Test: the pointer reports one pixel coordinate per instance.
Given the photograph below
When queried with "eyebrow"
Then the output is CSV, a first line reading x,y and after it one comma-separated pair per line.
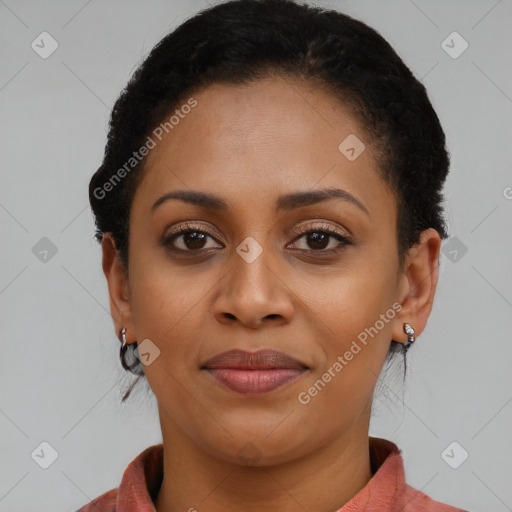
x,y
286,202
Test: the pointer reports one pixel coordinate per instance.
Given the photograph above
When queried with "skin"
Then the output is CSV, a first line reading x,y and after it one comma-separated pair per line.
x,y
249,144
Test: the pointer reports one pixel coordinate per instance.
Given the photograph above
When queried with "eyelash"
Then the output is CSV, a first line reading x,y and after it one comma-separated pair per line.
x,y
323,228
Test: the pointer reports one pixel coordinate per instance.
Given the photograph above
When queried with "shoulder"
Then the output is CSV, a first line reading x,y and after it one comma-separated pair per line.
x,y
388,485
140,483
104,503
413,500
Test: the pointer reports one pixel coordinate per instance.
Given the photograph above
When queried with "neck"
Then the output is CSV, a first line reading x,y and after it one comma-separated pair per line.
x,y
323,480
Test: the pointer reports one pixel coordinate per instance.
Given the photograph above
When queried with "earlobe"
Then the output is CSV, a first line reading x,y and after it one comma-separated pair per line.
x,y
419,284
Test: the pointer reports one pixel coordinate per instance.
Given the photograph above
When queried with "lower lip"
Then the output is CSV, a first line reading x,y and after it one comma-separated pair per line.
x,y
254,382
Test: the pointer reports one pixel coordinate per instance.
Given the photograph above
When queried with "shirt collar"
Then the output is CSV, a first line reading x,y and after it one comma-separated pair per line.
x,y
141,481
388,481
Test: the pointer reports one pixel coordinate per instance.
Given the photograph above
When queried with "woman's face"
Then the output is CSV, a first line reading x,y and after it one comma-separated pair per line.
x,y
250,280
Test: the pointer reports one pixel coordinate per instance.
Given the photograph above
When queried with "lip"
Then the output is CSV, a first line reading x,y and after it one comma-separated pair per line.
x,y
254,373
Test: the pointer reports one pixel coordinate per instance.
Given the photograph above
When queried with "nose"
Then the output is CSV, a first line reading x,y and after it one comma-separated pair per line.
x,y
254,294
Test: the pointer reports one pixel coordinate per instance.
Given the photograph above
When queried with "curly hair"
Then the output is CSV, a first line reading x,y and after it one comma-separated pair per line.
x,y
240,41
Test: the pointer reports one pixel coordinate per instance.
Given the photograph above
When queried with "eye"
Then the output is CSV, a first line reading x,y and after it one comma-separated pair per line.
x,y
192,238
319,237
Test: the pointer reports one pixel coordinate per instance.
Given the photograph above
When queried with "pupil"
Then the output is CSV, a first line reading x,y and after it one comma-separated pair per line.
x,y
318,238
194,238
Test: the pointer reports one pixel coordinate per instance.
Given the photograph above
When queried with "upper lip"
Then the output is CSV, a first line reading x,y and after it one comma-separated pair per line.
x,y
261,360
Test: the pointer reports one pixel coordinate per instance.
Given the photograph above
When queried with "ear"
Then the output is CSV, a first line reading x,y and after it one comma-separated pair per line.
x,y
418,284
119,293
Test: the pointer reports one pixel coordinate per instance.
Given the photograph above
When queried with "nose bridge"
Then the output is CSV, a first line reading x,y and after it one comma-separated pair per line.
x,y
253,262
255,244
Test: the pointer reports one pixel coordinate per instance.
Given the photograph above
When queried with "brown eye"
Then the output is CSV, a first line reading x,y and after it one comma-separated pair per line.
x,y
193,240
187,239
321,239
318,238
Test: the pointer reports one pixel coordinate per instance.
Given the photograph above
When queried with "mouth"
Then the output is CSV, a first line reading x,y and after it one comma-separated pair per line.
x,y
254,373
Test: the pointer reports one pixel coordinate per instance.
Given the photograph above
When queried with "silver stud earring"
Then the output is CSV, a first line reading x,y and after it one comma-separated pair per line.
x,y
123,337
124,345
410,336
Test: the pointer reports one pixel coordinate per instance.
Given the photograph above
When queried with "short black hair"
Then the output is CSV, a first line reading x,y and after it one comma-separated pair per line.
x,y
239,41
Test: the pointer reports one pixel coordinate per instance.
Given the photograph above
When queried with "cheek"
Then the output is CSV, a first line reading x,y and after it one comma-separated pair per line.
x,y
354,299
168,308
157,288
355,316
354,341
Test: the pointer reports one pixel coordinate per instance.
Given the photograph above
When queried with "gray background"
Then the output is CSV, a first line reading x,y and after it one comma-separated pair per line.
x,y
60,377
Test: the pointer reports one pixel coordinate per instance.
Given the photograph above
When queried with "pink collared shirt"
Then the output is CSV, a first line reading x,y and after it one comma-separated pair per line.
x,y
386,491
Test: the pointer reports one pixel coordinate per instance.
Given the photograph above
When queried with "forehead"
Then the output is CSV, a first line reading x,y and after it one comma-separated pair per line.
x,y
253,142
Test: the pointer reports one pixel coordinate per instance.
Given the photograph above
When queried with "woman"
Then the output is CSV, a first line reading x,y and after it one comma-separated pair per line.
x,y
269,210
